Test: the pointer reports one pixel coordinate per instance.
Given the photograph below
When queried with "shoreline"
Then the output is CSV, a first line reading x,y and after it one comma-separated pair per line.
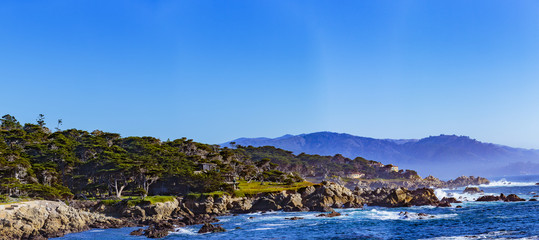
x,y
162,218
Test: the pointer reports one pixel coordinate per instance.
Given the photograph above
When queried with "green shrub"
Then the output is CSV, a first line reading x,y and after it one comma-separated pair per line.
x,y
158,199
110,202
46,191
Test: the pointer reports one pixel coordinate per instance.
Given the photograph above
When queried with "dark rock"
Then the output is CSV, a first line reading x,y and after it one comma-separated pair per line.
x,y
294,218
424,196
488,198
444,204
458,206
331,214
159,229
265,204
513,198
422,214
533,200
137,232
472,190
208,227
535,195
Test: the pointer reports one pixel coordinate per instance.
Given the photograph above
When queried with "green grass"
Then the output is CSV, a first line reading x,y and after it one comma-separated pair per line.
x,y
215,194
110,202
159,199
252,188
139,201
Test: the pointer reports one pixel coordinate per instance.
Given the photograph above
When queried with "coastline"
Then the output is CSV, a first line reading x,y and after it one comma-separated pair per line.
x,y
162,218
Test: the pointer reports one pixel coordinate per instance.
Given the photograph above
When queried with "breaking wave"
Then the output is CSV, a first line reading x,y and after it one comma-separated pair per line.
x,y
504,183
377,214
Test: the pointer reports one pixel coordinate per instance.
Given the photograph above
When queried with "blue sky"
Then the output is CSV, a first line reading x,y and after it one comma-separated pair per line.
x,y
218,70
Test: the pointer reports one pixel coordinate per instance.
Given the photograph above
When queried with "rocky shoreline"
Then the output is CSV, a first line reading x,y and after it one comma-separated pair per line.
x,y
428,182
45,219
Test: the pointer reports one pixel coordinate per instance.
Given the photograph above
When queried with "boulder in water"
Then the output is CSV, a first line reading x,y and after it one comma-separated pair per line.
x,y
489,198
450,200
294,218
159,229
444,204
208,227
137,232
472,190
331,214
513,198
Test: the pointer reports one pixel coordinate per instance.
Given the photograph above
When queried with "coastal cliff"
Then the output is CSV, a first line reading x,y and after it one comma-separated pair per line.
x,y
45,219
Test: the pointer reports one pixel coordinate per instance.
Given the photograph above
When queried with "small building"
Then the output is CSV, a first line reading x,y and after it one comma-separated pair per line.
x,y
376,164
208,166
391,168
355,175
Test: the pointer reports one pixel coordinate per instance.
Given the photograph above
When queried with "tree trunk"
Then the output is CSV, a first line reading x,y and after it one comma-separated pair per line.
x,y
118,190
146,185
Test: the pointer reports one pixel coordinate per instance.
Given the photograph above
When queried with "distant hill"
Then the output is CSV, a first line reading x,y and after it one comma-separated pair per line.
x,y
444,156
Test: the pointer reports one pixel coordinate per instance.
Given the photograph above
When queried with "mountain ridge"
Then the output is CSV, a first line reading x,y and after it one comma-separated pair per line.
x,y
444,155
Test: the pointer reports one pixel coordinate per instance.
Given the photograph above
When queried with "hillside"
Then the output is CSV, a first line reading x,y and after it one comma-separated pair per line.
x,y
36,162
445,156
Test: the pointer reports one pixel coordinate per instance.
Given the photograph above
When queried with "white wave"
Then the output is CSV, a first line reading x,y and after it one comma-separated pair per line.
x,y
260,229
463,197
96,230
391,215
274,224
489,235
504,183
183,230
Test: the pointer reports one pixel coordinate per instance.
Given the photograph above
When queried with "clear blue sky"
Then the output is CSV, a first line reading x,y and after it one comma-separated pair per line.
x,y
218,70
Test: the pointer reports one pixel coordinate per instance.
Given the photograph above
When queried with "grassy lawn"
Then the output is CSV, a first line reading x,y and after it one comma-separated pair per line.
x,y
138,200
257,187
7,200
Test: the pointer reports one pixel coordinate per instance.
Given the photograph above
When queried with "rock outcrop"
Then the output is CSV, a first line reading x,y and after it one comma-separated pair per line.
x,y
400,197
502,197
472,190
427,182
210,228
46,219
56,218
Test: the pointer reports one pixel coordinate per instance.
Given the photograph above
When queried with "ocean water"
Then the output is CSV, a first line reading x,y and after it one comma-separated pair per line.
x,y
476,220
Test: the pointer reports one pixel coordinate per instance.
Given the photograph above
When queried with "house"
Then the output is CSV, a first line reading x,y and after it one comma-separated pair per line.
x,y
391,168
355,175
208,166
375,164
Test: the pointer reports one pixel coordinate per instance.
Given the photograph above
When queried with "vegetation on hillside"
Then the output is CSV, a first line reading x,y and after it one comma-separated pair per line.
x,y
40,163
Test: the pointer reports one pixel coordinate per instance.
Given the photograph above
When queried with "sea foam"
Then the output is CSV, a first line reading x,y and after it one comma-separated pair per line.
x,y
504,183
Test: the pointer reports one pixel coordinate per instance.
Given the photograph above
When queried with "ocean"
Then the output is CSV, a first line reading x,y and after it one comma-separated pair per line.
x,y
475,220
